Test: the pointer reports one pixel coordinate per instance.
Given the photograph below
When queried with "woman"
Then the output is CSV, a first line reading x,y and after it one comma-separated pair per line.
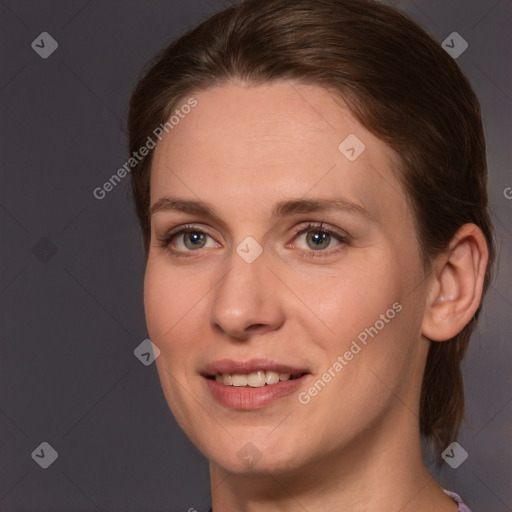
x,y
312,198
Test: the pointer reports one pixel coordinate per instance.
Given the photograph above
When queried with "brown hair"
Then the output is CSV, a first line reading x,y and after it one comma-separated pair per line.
x,y
398,82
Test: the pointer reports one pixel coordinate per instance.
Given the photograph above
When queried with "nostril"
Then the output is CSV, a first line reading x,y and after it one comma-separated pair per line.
x,y
255,327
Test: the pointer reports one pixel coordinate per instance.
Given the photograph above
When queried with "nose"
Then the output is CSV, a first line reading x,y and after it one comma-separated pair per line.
x,y
246,301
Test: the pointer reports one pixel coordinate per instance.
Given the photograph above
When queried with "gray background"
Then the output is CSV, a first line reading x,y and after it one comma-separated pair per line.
x,y
72,265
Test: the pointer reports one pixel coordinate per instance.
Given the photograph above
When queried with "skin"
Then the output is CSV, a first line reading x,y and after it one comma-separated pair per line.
x,y
355,446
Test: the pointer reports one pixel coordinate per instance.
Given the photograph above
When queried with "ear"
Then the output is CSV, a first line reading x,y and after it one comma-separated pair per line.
x,y
456,285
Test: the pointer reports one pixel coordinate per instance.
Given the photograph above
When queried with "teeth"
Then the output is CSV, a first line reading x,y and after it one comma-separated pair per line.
x,y
239,380
254,380
272,377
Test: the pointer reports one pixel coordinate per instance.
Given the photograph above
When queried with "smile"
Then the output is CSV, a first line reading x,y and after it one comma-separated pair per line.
x,y
255,379
253,384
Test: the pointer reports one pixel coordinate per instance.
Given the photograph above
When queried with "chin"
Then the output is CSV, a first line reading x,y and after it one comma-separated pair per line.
x,y
256,464
255,454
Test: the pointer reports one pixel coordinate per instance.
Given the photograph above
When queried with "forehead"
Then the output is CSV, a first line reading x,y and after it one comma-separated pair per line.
x,y
248,147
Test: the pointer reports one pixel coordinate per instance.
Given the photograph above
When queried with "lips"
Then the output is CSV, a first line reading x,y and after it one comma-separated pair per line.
x,y
251,384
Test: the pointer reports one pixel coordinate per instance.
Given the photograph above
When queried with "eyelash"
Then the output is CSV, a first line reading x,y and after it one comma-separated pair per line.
x,y
317,227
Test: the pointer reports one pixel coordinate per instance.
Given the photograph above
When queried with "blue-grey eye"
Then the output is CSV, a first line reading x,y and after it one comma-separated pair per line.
x,y
319,239
196,239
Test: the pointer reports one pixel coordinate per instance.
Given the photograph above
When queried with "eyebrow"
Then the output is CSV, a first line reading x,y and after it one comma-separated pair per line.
x,y
280,209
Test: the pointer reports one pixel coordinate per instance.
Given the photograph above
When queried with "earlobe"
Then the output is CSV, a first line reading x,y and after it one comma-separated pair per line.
x,y
456,285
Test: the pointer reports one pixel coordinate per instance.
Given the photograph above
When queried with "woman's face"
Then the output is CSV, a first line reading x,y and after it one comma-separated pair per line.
x,y
250,292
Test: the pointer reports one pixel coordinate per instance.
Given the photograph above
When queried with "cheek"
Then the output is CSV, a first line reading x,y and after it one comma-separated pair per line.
x,y
374,320
175,310
356,296
377,352
378,322
155,300
168,308
163,301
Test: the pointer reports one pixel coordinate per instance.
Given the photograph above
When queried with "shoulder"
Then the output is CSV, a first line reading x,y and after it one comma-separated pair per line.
x,y
458,500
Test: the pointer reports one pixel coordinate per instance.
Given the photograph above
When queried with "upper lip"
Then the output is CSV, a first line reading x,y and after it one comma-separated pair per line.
x,y
253,365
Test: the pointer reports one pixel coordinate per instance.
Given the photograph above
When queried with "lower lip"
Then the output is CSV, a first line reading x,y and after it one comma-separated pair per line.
x,y
248,398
